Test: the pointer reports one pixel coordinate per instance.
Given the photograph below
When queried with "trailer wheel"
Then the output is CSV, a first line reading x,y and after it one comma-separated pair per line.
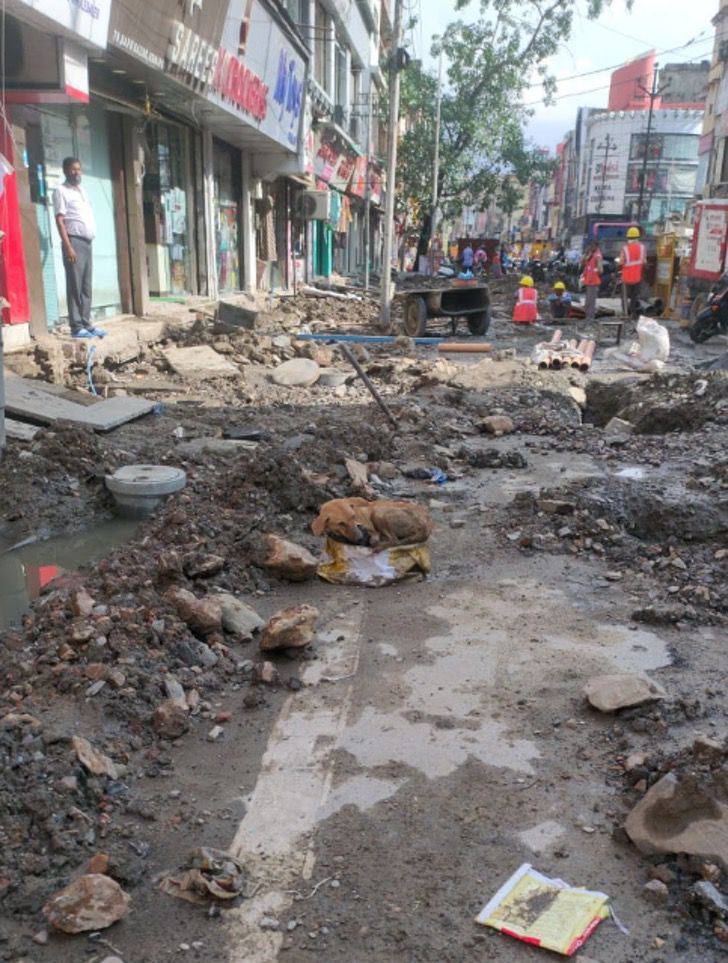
x,y
479,323
415,317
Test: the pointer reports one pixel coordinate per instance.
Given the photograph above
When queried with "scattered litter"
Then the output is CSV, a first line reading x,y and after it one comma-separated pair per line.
x,y
360,565
545,912
649,353
211,873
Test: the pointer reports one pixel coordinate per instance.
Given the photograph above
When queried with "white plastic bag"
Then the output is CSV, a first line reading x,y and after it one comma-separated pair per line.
x,y
649,353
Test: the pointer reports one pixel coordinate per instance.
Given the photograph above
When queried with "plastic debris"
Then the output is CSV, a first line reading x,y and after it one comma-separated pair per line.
x,y
545,912
212,874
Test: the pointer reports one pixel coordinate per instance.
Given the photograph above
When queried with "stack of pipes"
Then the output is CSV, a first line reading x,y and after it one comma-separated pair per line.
x,y
557,353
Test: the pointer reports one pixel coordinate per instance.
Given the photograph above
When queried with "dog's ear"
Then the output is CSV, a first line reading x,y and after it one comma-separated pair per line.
x,y
318,525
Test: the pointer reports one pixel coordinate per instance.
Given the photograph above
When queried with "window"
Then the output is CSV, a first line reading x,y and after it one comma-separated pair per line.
x,y
681,147
639,143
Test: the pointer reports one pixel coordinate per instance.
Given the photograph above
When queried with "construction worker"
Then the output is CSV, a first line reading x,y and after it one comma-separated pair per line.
x,y
526,308
632,258
559,301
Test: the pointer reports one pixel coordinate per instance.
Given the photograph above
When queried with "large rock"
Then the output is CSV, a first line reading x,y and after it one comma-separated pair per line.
x,y
297,372
497,425
608,693
203,616
169,719
96,762
238,618
677,815
288,560
291,628
91,902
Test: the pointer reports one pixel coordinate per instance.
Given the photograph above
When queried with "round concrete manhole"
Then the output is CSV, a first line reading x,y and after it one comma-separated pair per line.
x,y
139,489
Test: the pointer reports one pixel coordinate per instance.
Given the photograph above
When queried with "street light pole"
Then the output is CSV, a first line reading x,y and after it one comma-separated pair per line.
x,y
392,135
653,94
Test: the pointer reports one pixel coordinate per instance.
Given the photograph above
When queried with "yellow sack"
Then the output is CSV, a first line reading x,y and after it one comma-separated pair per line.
x,y
361,565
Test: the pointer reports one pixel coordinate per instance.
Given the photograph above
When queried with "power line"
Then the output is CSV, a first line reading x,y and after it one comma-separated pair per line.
x,y
601,70
592,90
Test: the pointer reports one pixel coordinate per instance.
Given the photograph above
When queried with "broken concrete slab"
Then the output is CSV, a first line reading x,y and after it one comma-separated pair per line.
x,y
199,363
298,372
238,618
678,815
213,446
19,431
608,693
29,399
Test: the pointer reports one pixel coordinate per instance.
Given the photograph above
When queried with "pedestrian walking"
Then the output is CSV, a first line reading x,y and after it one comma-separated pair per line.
x,y
77,229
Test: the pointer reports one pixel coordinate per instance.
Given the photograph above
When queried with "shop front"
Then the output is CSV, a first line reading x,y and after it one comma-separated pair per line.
x,y
334,164
50,115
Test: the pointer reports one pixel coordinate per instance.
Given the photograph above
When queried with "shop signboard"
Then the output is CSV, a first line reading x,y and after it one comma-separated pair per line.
x,y
180,38
334,161
260,75
87,19
233,52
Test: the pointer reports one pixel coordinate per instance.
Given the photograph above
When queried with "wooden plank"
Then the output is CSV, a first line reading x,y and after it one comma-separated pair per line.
x,y
200,363
28,399
20,431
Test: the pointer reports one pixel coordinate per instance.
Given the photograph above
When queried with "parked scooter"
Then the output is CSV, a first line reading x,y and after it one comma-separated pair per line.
x,y
713,319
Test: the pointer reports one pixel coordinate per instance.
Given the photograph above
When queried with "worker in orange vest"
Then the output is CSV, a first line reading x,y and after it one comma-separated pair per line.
x,y
526,309
632,258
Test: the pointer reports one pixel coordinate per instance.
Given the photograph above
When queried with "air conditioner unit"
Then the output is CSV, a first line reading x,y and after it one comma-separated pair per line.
x,y
315,205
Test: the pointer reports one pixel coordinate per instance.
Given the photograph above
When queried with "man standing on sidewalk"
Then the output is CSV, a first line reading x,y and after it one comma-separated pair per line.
x,y
77,227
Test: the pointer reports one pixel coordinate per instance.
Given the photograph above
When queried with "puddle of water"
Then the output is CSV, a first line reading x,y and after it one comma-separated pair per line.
x,y
631,471
26,570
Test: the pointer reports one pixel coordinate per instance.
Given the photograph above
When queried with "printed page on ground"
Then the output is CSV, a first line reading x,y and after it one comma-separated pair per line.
x,y
545,912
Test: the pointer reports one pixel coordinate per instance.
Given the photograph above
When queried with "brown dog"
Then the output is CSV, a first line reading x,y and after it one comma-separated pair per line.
x,y
380,524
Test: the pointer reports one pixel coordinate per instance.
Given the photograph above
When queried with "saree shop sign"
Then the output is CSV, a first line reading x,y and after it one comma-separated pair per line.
x,y
261,73
240,86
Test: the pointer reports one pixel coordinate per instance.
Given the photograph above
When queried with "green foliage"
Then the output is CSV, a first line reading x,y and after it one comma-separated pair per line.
x,y
490,64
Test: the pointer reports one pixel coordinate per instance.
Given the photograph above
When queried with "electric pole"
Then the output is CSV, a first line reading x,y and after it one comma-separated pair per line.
x,y
653,94
607,146
392,135
436,161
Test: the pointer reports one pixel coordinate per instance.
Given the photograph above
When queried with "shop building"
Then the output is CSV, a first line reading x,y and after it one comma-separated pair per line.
x,y
188,121
48,114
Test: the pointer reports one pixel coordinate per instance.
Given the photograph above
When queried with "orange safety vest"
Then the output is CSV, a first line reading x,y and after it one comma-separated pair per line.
x,y
633,258
526,309
592,274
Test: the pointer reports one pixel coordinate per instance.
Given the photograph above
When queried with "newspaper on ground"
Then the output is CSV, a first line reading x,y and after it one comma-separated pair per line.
x,y
545,912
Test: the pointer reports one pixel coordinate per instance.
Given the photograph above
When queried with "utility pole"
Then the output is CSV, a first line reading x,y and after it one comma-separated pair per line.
x,y
392,133
436,160
607,146
653,94
368,186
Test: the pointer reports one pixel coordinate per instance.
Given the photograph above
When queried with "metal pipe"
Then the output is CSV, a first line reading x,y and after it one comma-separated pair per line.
x,y
463,347
365,378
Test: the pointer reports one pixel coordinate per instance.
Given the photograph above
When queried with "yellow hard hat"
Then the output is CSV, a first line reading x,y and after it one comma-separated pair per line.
x,y
559,286
526,281
633,232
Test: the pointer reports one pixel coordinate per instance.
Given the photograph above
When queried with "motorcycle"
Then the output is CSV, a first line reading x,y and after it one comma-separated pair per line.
x,y
713,319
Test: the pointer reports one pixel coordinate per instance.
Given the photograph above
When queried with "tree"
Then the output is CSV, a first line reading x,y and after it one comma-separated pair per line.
x,y
491,62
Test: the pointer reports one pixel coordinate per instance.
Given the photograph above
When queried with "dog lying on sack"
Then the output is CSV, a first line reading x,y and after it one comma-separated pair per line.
x,y
382,524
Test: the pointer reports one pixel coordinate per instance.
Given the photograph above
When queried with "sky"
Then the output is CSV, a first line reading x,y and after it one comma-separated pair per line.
x,y
594,49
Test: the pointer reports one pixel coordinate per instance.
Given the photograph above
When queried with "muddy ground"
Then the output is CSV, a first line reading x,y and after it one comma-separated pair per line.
x,y
435,735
